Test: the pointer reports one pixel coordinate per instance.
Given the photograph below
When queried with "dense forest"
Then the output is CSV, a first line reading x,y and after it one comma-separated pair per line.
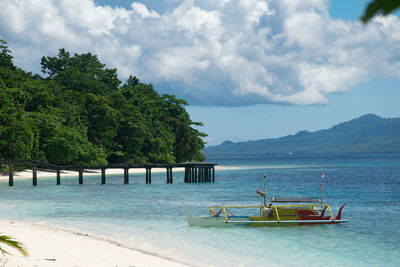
x,y
79,112
368,134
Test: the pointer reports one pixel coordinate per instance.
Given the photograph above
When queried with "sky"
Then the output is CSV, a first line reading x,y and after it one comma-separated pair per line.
x,y
250,69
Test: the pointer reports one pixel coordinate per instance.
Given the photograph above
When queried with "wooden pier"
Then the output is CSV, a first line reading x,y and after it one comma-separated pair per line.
x,y
195,172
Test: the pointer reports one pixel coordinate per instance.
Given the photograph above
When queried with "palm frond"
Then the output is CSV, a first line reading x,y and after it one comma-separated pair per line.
x,y
9,241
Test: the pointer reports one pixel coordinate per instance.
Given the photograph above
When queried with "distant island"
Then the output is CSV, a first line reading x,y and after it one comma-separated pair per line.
x,y
368,134
79,112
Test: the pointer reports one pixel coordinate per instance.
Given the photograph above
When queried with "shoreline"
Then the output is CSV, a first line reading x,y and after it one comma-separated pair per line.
x,y
27,174
50,245
53,246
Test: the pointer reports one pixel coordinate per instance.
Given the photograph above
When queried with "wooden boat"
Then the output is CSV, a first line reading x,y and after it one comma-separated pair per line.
x,y
270,215
279,212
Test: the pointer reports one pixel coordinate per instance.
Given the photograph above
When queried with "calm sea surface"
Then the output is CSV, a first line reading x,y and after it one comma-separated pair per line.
x,y
151,217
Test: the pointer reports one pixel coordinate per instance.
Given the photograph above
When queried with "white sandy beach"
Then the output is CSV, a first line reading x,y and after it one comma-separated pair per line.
x,y
27,174
51,246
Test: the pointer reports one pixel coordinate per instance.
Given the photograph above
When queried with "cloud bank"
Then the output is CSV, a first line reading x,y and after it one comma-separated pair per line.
x,y
230,52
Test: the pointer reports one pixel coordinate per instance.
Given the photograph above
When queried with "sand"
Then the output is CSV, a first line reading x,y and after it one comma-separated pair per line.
x,y
51,246
27,174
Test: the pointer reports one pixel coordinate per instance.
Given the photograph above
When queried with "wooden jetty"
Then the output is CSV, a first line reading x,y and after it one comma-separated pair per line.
x,y
195,172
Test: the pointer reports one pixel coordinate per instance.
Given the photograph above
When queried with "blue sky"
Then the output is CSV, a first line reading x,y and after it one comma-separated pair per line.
x,y
249,69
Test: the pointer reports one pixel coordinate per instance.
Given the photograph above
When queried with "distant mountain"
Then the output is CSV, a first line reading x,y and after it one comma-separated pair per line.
x,y
368,134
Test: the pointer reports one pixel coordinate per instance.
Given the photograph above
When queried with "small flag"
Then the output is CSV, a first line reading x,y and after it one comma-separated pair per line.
x,y
322,175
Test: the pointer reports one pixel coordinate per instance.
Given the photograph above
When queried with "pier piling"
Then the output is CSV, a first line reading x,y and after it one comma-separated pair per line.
x,y
126,176
194,172
10,175
80,176
34,175
167,169
58,176
148,175
103,176
186,175
169,175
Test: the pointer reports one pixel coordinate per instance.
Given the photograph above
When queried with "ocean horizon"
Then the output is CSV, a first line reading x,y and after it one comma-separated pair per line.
x,y
151,217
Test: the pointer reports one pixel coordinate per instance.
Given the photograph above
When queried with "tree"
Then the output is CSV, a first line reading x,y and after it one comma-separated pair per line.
x,y
71,146
80,114
16,129
101,120
5,57
83,73
143,129
132,81
188,143
383,7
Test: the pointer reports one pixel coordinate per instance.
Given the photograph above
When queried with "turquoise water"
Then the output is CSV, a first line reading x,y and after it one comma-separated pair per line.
x,y
151,218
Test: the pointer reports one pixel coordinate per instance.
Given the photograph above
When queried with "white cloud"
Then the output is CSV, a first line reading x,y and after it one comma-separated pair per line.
x,y
143,11
172,65
231,52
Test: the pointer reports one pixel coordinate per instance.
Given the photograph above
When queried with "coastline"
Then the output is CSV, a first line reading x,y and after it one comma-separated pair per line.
x,y
27,174
150,218
52,246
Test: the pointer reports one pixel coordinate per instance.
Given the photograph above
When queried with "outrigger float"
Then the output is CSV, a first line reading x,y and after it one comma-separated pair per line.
x,y
306,212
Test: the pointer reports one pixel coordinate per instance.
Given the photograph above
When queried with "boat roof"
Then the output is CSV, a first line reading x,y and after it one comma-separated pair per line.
x,y
292,199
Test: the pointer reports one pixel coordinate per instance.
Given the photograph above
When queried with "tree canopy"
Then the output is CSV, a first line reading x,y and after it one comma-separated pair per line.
x,y
383,7
79,112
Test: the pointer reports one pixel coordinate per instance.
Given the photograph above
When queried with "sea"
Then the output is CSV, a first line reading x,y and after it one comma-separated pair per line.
x,y
151,217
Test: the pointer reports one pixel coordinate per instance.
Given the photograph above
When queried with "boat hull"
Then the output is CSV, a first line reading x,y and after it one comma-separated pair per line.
x,y
258,221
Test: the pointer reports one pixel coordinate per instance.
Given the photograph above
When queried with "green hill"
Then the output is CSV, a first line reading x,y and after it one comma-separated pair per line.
x,y
368,134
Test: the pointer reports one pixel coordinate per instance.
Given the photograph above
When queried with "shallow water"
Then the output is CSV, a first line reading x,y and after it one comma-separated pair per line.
x,y
151,217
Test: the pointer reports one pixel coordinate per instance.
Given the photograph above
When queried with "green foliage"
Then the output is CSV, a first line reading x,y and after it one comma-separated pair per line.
x,y
16,133
83,73
9,241
5,57
71,146
383,7
81,114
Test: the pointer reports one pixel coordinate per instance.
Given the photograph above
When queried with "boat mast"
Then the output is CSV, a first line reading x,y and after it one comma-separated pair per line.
x,y
265,192
320,183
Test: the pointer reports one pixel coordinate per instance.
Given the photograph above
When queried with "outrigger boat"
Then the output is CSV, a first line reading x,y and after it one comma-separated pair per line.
x,y
306,211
